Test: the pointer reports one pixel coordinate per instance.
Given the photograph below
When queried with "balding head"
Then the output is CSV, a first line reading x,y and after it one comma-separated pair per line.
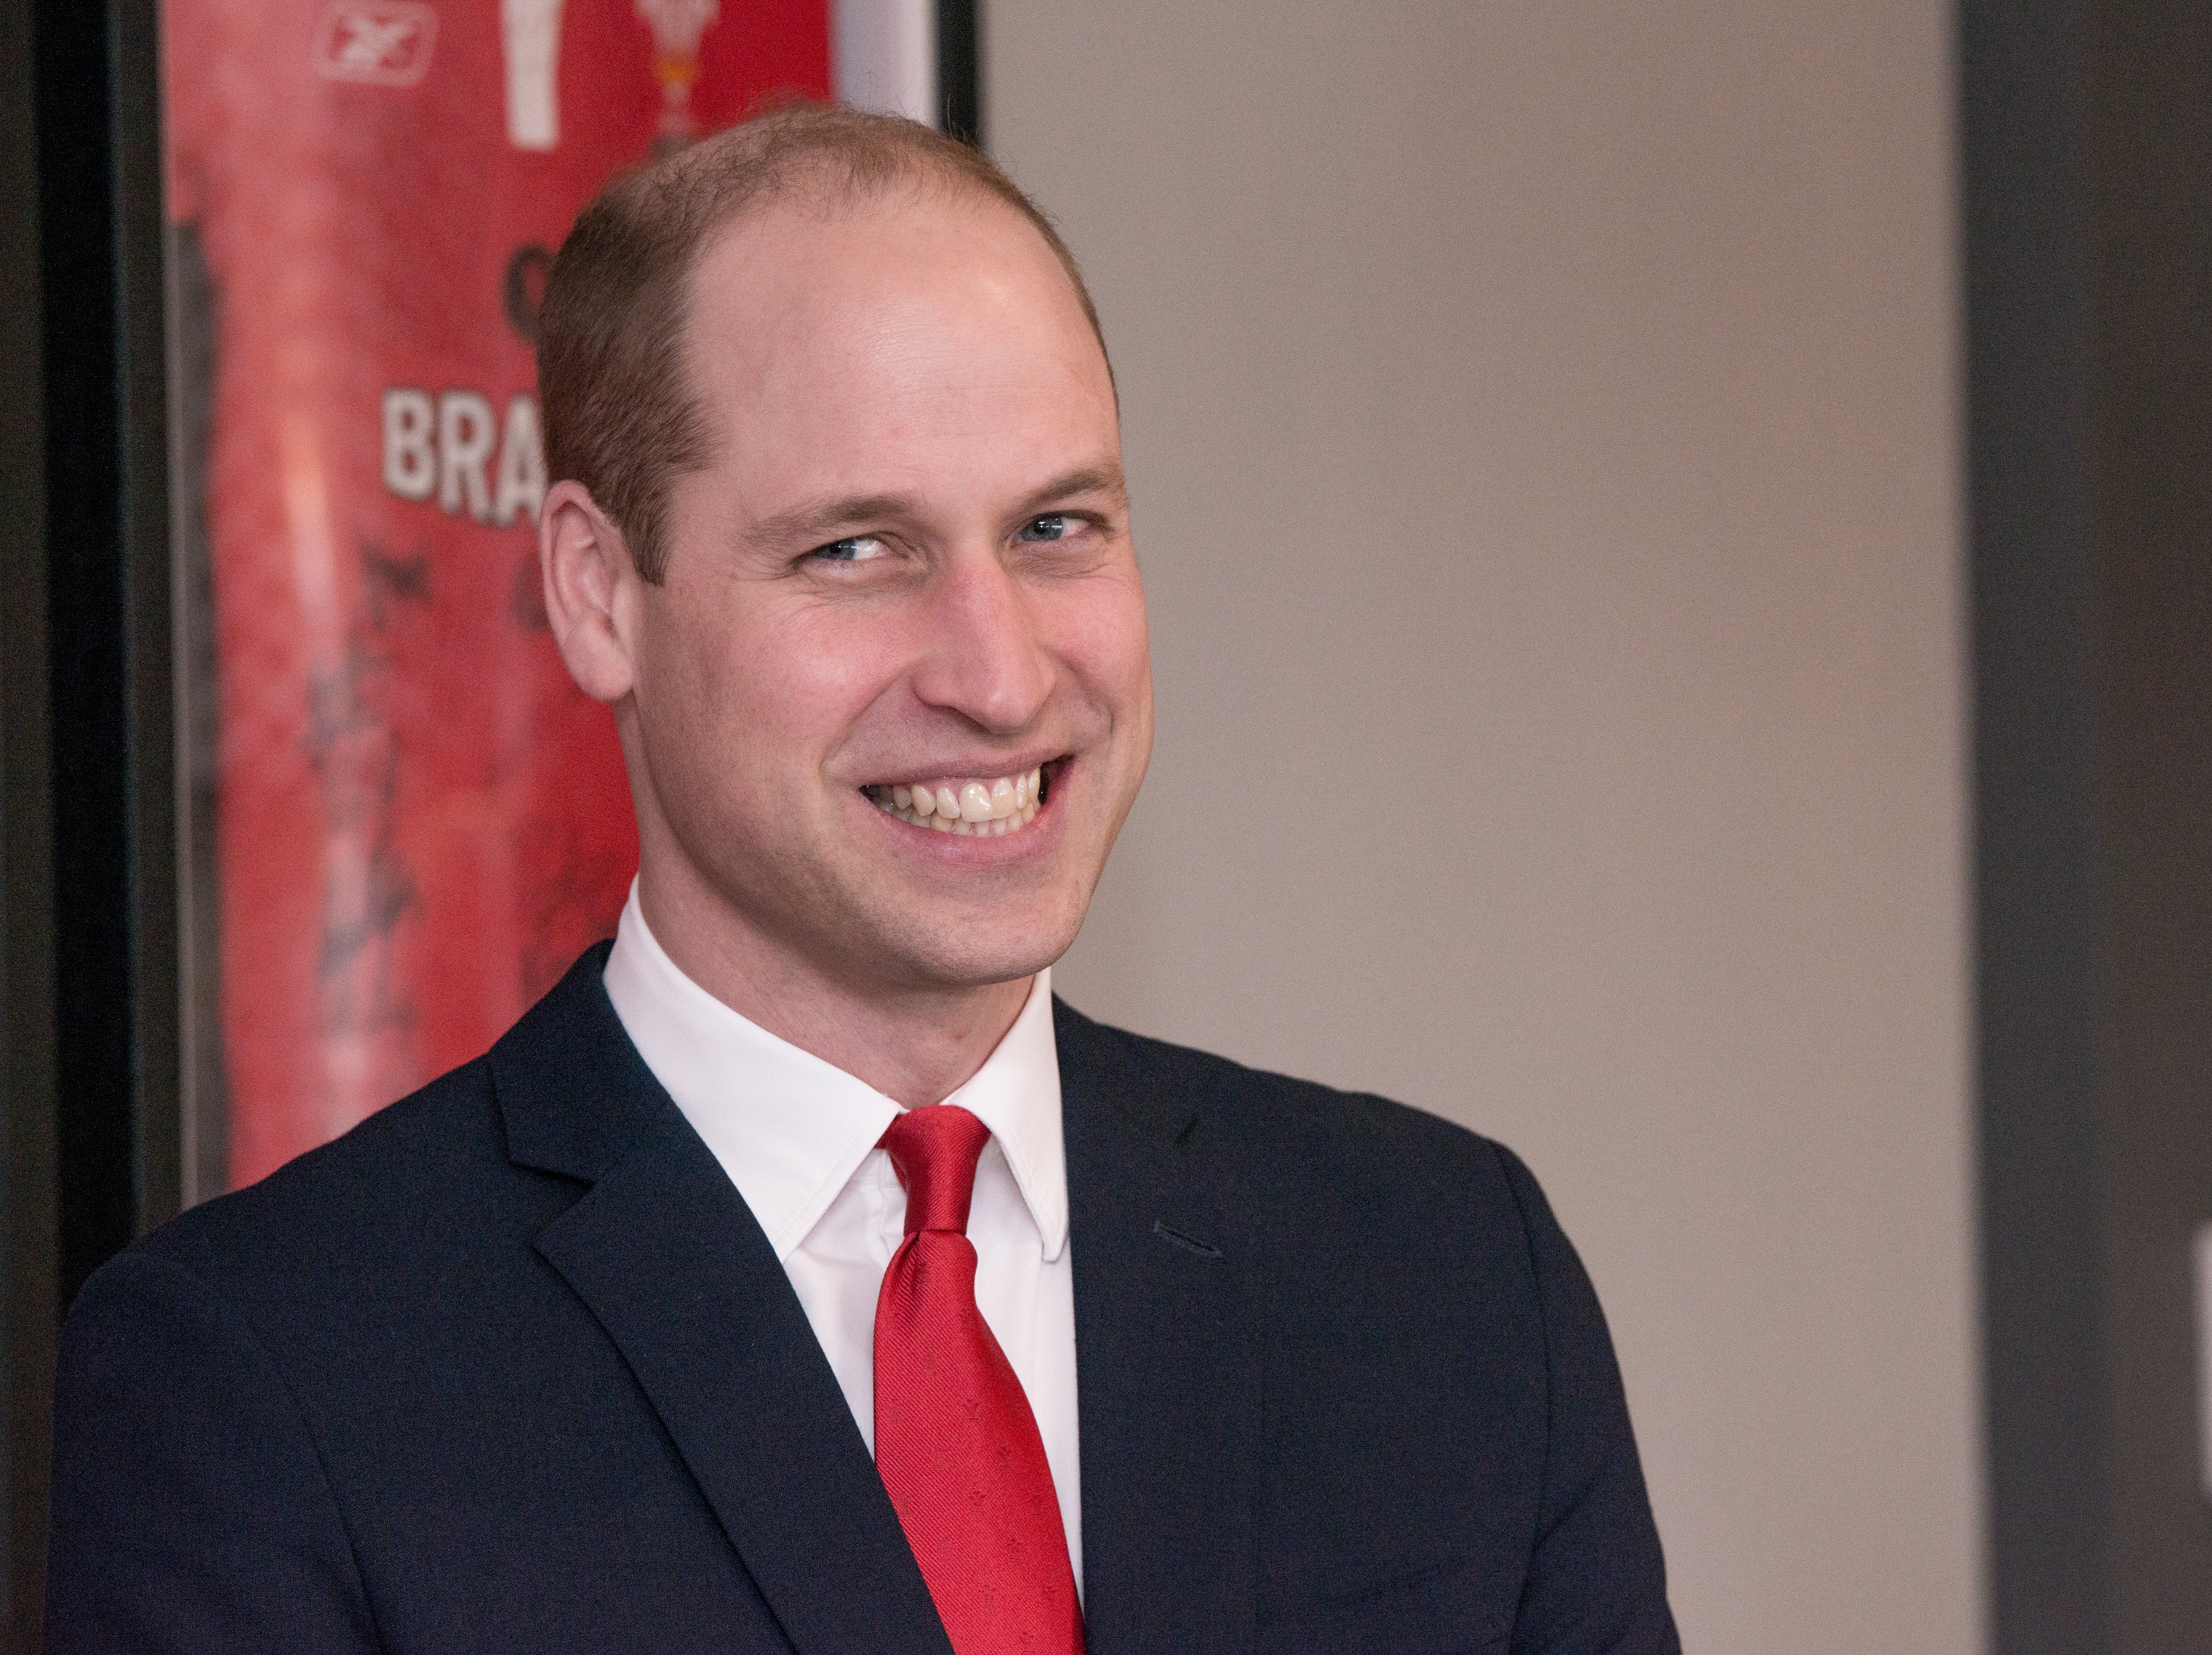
x,y
621,414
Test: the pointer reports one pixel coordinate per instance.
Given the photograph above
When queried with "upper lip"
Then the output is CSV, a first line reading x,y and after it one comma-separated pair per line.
x,y
985,767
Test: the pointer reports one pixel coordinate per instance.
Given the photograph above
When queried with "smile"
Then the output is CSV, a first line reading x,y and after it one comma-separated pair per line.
x,y
1005,804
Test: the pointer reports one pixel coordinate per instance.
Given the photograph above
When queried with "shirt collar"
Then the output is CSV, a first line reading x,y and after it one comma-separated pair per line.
x,y
791,1129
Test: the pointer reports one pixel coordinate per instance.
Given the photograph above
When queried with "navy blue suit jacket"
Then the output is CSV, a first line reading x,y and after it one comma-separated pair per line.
x,y
511,1368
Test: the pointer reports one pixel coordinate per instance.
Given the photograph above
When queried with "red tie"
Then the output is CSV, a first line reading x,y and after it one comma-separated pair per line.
x,y
955,1439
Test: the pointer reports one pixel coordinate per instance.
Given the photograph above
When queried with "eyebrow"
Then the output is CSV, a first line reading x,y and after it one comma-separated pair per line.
x,y
821,518
807,522
1090,479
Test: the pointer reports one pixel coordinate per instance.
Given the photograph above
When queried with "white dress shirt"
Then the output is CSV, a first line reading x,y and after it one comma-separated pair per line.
x,y
798,1137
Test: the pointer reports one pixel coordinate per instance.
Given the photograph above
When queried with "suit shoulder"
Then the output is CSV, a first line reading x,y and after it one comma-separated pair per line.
x,y
1277,1118
412,1168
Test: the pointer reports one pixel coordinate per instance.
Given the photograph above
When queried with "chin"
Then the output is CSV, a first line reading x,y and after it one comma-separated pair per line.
x,y
980,968
978,952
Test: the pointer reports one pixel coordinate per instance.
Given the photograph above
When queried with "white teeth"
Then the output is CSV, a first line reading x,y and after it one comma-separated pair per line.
x,y
1006,804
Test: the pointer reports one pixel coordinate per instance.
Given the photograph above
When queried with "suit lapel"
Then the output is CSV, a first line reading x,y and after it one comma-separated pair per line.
x,y
1168,1355
668,1259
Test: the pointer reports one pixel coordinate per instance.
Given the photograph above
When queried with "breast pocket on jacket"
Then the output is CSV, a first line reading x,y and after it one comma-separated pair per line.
x,y
1451,1610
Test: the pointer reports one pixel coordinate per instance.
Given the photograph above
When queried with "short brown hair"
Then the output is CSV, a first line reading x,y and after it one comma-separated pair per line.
x,y
620,414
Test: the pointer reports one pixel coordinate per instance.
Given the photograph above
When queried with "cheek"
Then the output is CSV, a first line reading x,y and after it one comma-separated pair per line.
x,y
709,724
757,699
1103,635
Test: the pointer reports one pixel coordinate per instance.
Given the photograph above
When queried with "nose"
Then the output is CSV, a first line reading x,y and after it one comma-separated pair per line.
x,y
985,659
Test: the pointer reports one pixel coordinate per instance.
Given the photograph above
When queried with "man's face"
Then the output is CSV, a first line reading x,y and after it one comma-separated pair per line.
x,y
904,581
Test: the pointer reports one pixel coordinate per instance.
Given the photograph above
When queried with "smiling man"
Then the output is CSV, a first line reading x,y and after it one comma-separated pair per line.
x,y
799,1274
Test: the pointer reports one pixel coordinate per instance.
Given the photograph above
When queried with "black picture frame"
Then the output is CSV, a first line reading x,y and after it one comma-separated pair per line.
x,y
93,1083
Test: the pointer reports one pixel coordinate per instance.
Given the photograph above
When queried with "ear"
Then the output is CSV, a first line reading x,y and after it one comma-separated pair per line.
x,y
585,566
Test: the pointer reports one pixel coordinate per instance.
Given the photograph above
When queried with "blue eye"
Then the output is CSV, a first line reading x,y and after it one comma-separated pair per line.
x,y
853,548
1053,526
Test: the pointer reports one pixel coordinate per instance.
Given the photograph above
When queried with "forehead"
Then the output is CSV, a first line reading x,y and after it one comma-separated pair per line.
x,y
894,324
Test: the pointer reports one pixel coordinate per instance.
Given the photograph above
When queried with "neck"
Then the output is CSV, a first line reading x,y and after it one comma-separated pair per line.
x,y
916,1046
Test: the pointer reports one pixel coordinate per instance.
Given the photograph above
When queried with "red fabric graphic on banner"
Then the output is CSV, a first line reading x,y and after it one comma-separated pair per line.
x,y
421,821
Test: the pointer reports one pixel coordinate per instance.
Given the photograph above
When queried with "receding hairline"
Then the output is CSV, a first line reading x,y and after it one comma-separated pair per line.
x,y
623,410
828,205
949,189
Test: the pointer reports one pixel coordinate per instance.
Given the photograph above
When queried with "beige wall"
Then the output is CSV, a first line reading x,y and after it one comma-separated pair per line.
x,y
1542,424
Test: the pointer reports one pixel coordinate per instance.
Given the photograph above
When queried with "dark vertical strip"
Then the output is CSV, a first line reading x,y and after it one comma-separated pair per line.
x,y
2088,240
97,109
149,679
194,319
2152,80
26,1042
85,601
2030,333
960,71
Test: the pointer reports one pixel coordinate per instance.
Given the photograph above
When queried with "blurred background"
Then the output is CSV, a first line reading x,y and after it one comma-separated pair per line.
x,y
1679,542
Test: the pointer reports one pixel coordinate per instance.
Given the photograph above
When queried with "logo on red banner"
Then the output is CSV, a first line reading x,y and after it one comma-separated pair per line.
x,y
376,42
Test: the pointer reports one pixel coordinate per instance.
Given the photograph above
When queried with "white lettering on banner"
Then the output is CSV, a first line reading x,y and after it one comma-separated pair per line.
x,y
410,463
455,448
521,463
466,430
530,34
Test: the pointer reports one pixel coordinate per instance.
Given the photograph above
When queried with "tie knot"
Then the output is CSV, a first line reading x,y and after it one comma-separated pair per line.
x,y
934,1151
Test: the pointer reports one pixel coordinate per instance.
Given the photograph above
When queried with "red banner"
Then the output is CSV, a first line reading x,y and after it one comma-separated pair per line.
x,y
419,820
